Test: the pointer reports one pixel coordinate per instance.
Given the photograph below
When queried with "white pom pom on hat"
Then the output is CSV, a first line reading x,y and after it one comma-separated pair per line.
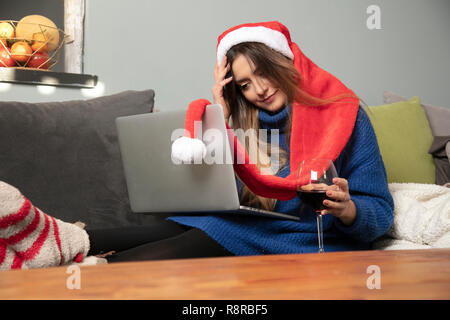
x,y
188,150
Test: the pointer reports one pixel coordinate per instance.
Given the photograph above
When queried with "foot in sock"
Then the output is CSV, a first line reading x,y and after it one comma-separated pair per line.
x,y
29,238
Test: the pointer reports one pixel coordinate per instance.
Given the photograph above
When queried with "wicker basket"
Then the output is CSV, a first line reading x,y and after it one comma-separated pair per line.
x,y
53,54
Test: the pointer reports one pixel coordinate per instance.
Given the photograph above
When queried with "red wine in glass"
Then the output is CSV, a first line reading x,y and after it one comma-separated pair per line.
x,y
313,198
314,178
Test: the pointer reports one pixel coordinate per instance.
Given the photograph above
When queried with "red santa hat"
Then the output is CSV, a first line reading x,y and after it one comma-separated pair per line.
x,y
317,131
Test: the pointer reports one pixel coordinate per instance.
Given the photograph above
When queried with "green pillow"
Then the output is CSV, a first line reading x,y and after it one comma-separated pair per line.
x,y
404,137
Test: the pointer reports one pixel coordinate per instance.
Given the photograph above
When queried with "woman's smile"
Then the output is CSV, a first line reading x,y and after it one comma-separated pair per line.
x,y
270,98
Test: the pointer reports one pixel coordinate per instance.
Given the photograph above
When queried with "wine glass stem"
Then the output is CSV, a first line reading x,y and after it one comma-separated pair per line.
x,y
320,231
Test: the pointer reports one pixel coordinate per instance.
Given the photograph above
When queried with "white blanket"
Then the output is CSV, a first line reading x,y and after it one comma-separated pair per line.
x,y
421,217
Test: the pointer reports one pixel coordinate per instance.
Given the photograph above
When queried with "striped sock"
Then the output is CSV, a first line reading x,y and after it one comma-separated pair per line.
x,y
29,238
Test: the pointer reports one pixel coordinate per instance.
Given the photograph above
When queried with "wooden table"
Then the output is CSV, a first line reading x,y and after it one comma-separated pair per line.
x,y
408,274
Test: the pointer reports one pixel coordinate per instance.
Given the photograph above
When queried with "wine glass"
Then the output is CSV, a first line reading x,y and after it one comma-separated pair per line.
x,y
313,180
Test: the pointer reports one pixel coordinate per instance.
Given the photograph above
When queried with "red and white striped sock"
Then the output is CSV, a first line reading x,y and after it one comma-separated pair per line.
x,y
29,238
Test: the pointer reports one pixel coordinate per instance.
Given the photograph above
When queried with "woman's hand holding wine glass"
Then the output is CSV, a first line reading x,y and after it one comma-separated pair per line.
x,y
339,203
335,200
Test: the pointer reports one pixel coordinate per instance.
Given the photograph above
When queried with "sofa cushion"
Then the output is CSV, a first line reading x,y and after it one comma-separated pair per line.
x,y
65,157
440,150
404,137
438,117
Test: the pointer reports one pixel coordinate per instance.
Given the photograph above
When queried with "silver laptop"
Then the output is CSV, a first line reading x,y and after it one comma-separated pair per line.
x,y
158,184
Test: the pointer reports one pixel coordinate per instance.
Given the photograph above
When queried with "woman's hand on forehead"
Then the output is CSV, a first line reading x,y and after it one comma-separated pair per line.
x,y
220,72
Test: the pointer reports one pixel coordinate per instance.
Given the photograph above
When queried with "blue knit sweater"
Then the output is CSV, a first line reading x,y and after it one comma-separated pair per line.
x,y
360,163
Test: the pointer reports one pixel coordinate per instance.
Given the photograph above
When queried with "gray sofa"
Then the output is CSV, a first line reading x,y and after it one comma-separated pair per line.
x,y
65,157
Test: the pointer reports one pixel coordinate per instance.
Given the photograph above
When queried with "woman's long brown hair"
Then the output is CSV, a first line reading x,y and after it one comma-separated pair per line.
x,y
280,71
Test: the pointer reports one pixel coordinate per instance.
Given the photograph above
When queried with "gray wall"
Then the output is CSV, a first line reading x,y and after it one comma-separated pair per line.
x,y
169,45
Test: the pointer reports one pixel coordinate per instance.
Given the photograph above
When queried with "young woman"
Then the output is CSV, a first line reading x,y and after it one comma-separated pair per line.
x,y
262,81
